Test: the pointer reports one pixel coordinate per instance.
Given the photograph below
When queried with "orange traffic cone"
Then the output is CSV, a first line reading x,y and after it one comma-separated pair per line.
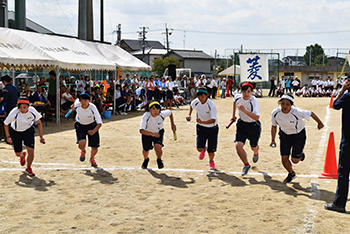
x,y
331,103
330,170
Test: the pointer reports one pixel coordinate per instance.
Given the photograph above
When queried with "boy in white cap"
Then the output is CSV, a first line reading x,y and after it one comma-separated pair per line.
x,y
292,132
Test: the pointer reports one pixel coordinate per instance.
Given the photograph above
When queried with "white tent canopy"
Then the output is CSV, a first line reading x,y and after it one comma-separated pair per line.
x,y
120,57
14,50
231,71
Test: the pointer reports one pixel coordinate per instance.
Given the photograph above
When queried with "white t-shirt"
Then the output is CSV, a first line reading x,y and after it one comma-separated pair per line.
x,y
320,82
80,85
154,124
67,95
22,122
205,112
291,123
170,85
251,105
314,82
88,115
295,83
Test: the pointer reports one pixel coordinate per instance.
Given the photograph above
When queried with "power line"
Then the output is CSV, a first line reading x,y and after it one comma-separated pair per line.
x,y
261,34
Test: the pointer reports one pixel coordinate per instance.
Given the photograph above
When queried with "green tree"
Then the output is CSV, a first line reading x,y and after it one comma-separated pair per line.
x,y
317,55
160,64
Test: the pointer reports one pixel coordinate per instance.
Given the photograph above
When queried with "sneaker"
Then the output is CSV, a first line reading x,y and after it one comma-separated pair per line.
x,y
290,177
212,165
255,158
22,159
202,154
145,163
332,207
82,156
29,171
160,163
123,113
93,162
245,170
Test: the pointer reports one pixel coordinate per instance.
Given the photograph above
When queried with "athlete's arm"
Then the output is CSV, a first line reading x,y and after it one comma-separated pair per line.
x,y
148,133
41,132
250,114
189,114
7,134
319,122
173,126
273,135
234,118
93,131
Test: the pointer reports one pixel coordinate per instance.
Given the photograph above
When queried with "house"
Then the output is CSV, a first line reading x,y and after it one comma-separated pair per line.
x,y
294,61
198,61
150,55
136,45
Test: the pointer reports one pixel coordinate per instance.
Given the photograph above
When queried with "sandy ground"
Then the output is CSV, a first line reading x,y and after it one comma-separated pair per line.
x,y
69,197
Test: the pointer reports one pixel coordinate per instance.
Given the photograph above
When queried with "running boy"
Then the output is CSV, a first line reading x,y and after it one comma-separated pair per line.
x,y
88,122
22,119
207,125
292,132
248,124
152,132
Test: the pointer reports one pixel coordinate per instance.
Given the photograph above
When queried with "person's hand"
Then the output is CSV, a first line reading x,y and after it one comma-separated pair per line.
x,y
234,118
173,127
273,144
156,135
199,120
91,132
9,140
320,126
42,140
241,107
188,118
346,86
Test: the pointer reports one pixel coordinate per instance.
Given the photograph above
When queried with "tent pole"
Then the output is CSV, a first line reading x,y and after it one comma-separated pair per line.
x,y
114,89
58,106
13,75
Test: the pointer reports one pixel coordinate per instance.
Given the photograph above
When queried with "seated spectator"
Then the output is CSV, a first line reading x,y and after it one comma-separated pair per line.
x,y
97,98
179,100
280,91
258,93
67,100
39,95
28,94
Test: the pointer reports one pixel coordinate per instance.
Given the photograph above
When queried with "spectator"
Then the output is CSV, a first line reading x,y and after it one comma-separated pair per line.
x,y
52,89
273,87
39,95
223,87
10,94
67,100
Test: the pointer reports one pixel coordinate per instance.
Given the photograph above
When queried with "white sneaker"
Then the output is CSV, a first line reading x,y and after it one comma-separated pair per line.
x,y
123,113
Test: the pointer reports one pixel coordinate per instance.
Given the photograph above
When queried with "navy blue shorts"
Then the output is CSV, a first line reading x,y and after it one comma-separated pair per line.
x,y
26,137
148,141
292,142
82,131
250,131
205,134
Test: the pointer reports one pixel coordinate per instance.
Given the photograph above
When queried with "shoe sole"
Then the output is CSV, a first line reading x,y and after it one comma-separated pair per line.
x,y
255,159
290,180
243,174
31,175
82,159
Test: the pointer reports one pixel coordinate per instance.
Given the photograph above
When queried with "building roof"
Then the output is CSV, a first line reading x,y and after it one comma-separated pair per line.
x,y
31,25
191,54
295,58
136,45
151,51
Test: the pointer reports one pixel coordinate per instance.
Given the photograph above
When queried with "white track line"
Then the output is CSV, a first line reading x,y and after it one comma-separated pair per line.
x,y
155,169
315,192
41,164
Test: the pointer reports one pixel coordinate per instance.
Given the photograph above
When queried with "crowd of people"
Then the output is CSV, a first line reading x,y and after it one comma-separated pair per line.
x,y
317,88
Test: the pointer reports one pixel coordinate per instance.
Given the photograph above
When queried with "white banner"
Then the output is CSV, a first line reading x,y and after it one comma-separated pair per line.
x,y
254,67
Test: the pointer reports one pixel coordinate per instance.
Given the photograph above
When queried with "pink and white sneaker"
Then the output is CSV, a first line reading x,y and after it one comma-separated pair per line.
x,y
202,154
212,165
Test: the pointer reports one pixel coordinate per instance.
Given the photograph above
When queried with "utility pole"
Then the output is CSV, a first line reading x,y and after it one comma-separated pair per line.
x,y
215,63
119,34
101,22
167,34
142,35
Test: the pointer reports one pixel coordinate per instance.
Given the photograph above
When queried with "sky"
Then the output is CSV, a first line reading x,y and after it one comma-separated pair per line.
x,y
210,25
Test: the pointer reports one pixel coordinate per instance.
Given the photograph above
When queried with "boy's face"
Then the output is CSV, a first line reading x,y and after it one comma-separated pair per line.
x,y
84,102
202,98
154,111
286,106
247,93
23,108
